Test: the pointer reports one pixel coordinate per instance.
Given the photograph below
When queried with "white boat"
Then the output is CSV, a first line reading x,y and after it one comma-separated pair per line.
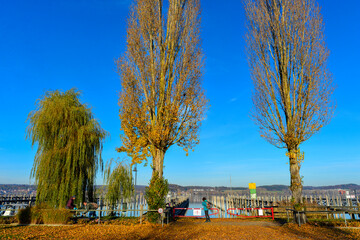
x,y
11,209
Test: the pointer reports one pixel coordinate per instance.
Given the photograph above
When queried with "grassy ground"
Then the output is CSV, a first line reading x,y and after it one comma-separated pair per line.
x,y
182,229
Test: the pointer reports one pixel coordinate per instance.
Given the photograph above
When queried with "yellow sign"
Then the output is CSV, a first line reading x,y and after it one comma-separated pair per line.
x,y
252,185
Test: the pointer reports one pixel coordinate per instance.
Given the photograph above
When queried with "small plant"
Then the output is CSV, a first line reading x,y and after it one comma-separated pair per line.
x,y
297,206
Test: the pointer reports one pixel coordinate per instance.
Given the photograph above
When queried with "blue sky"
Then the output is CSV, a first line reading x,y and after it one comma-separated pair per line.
x,y
48,45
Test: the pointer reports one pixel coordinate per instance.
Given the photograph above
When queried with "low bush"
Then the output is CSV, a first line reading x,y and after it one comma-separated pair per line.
x,y
24,215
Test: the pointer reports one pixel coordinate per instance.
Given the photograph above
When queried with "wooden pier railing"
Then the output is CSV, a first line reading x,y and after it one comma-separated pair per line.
x,y
329,206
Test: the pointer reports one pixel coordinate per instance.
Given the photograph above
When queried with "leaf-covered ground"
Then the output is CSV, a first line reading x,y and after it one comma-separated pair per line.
x,y
182,229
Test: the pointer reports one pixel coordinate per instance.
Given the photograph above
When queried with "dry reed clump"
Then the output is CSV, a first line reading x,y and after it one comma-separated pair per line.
x,y
42,214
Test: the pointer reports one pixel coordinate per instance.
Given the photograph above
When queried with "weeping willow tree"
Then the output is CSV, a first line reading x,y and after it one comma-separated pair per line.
x,y
119,182
69,144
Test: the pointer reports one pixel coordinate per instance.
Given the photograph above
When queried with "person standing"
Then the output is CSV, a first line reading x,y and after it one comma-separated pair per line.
x,y
90,206
206,206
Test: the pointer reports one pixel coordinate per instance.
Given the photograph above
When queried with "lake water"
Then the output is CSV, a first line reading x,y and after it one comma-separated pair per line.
x,y
190,212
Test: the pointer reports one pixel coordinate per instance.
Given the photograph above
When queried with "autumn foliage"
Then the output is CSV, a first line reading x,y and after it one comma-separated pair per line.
x,y
161,99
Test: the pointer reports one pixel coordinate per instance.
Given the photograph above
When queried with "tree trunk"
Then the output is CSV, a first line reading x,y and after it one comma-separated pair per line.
x,y
295,182
300,218
90,192
158,162
296,187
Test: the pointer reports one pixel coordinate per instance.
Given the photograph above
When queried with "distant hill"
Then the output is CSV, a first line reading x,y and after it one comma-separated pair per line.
x,y
351,186
274,187
174,187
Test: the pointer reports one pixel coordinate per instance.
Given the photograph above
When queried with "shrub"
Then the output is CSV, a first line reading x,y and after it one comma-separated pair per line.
x,y
155,196
24,215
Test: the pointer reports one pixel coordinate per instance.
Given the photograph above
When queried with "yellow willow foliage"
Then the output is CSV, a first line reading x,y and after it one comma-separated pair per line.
x,y
119,182
69,144
161,101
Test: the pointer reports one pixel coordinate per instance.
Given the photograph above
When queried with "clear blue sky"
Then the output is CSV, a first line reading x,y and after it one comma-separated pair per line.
x,y
48,45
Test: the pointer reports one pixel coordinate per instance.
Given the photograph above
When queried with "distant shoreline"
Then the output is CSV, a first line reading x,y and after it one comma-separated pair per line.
x,y
172,187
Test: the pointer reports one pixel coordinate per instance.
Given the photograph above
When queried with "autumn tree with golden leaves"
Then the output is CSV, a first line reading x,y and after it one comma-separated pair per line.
x,y
161,101
292,86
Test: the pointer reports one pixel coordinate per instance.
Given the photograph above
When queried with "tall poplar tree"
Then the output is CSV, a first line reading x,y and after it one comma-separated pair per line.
x,y
161,100
292,84
69,144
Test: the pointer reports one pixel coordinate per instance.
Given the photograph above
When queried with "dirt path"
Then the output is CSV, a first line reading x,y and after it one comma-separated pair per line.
x,y
226,222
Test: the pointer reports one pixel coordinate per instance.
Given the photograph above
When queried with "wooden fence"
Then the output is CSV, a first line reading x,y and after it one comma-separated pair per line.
x,y
331,206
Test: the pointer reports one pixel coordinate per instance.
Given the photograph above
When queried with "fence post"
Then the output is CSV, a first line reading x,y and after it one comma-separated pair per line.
x,y
334,204
141,213
222,200
287,214
358,204
327,205
350,203
99,217
162,219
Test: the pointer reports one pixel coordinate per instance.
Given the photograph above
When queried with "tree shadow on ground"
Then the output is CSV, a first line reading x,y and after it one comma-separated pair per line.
x,y
281,221
318,232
